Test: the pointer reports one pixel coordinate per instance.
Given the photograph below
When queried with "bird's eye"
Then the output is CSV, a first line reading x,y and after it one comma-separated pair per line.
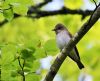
x,y
59,27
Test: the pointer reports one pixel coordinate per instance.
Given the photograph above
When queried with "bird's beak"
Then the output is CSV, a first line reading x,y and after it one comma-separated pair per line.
x,y
53,29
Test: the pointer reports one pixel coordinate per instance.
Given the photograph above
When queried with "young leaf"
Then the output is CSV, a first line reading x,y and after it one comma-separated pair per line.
x,y
27,54
20,9
8,14
50,47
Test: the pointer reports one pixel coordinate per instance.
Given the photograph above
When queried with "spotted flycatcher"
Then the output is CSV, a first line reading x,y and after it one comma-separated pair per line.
x,y
63,36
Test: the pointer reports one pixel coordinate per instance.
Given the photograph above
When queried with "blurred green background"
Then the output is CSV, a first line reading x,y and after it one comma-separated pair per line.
x,y
33,40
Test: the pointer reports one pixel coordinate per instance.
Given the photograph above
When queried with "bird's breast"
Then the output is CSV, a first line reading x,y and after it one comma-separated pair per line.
x,y
62,39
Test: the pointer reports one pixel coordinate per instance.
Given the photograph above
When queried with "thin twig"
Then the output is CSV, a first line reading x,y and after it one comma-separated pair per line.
x,y
20,63
23,63
22,68
95,3
93,12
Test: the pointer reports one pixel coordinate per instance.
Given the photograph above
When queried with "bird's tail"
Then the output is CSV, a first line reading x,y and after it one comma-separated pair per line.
x,y
80,65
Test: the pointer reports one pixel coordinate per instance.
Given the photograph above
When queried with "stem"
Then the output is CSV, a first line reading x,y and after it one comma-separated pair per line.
x,y
22,68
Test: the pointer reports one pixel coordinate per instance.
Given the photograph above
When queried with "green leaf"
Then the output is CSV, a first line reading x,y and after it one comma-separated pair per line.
x,y
4,5
22,2
8,66
27,54
20,9
32,66
40,53
50,47
8,14
14,73
8,53
29,64
33,77
36,65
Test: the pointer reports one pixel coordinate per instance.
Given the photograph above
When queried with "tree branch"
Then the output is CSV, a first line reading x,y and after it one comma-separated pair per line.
x,y
63,11
76,38
39,13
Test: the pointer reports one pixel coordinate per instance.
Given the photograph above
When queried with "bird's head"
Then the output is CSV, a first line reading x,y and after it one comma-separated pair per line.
x,y
59,28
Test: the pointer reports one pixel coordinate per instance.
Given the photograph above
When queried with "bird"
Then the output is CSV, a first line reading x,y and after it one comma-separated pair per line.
x,y
63,36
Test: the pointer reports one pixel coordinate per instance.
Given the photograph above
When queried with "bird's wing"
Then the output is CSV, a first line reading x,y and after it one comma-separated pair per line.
x,y
75,48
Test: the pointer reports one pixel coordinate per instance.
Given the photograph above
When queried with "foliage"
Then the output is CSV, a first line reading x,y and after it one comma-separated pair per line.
x,y
32,39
